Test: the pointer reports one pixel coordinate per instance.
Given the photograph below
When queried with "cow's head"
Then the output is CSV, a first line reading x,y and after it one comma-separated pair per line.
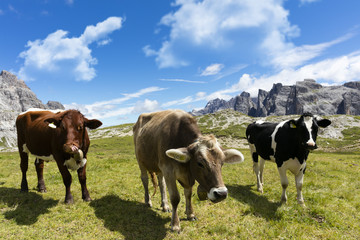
x,y
72,126
307,127
206,157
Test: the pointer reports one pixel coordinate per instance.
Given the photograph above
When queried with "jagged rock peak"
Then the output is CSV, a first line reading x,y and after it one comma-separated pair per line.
x,y
304,96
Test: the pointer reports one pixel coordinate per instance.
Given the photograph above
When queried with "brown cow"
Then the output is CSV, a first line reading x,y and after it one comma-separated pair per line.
x,y
59,136
170,144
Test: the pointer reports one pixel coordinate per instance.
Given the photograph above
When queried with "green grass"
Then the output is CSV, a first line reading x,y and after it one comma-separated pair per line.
x,y
331,192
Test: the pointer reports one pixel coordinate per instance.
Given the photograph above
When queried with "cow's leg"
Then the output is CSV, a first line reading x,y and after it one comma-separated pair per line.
x,y
24,162
175,199
299,182
67,181
189,209
262,165
164,201
39,166
145,181
256,168
82,179
284,182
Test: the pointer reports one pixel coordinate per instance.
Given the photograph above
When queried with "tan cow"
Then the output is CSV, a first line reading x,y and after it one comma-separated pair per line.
x,y
170,144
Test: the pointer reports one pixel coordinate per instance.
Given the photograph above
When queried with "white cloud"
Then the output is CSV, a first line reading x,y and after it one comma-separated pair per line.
x,y
209,22
308,1
330,71
146,106
57,51
213,69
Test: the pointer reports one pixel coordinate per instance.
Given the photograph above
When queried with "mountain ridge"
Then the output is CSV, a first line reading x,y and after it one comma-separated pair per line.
x,y
304,96
16,97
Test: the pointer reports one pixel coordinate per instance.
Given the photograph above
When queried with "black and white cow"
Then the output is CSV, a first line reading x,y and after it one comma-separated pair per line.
x,y
288,144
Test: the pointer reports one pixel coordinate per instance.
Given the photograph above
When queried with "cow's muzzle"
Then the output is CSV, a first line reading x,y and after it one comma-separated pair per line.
x,y
310,146
75,152
217,194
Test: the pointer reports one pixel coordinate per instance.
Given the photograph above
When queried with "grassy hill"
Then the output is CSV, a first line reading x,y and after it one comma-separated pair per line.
x,y
331,192
343,135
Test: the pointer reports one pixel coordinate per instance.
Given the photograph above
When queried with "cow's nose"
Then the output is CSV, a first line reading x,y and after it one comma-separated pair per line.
x,y
218,194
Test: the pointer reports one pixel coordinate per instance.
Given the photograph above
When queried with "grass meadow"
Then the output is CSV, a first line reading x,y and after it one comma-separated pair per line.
x,y
331,191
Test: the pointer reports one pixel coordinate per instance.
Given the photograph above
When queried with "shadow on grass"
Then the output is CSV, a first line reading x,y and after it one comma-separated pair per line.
x,y
132,219
25,208
260,205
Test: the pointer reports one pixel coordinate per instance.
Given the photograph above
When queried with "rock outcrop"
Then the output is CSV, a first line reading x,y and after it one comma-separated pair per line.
x,y
304,96
16,97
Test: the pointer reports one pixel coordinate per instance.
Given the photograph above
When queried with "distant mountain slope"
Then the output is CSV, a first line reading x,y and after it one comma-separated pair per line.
x,y
229,127
16,97
304,96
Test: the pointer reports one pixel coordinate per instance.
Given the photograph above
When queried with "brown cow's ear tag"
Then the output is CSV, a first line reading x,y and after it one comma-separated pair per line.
x,y
52,125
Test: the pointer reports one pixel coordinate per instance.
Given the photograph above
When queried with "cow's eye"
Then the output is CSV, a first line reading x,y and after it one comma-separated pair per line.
x,y
200,164
79,128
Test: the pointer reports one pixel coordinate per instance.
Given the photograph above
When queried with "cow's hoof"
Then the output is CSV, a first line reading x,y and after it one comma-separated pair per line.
x,y
166,208
87,199
175,229
69,201
41,189
192,218
24,190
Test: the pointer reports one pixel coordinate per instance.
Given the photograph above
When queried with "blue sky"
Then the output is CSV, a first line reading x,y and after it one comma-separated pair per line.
x,y
116,59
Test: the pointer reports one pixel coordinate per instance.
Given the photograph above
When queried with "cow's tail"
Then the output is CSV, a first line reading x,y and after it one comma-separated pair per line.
x,y
154,181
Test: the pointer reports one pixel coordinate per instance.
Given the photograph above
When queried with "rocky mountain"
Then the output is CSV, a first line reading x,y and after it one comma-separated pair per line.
x,y
16,97
304,96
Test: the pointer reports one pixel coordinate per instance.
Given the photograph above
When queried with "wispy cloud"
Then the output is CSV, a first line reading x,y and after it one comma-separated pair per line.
x,y
296,56
114,107
179,80
58,52
213,69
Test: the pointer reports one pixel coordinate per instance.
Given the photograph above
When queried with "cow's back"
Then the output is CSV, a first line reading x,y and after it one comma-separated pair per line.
x,y
33,131
154,133
259,134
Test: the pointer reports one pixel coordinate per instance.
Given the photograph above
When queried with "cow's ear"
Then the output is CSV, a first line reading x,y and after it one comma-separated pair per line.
x,y
323,123
53,122
233,156
179,154
92,124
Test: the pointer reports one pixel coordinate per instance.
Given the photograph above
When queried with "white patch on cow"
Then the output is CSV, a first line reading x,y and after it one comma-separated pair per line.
x,y
273,143
45,158
72,165
293,165
260,122
211,194
308,123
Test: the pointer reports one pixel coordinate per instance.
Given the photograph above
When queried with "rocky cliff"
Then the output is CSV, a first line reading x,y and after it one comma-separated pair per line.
x,y
16,97
304,96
